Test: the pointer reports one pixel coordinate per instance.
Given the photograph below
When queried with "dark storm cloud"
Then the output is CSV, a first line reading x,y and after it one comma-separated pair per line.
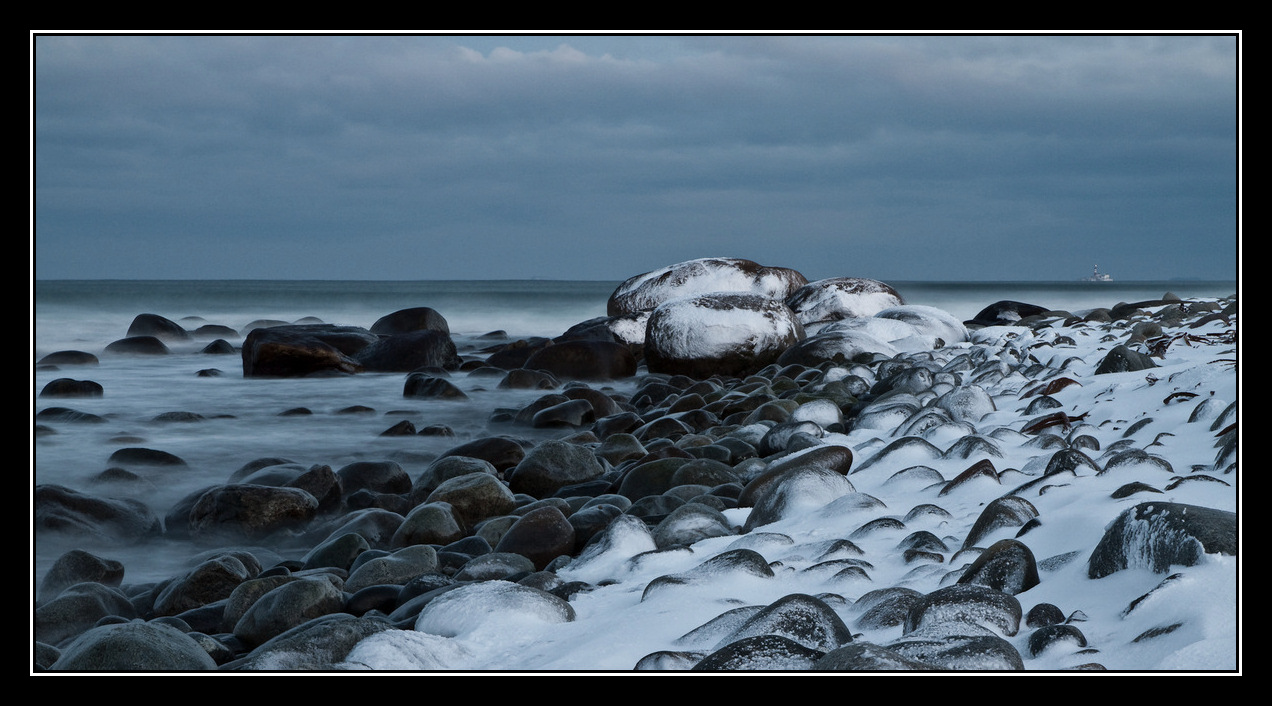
x,y
974,157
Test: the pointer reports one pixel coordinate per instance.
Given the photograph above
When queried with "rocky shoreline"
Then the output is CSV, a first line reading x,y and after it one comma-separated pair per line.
x,y
724,437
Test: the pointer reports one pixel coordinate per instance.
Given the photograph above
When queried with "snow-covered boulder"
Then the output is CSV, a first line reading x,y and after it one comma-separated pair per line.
x,y
842,298
932,324
726,333
702,276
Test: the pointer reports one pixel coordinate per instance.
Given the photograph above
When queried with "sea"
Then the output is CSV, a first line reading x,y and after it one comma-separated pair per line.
x,y
234,420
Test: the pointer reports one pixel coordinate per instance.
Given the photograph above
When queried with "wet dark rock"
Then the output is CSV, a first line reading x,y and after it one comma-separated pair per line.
x,y
425,386
79,566
405,352
584,360
65,511
540,535
303,350
250,512
77,609
66,387
420,318
134,646
138,345
69,358
157,326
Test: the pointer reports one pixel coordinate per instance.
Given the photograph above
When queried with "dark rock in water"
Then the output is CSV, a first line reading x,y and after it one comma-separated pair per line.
x,y
841,298
138,345
427,386
404,352
79,566
525,379
540,535
218,347
63,414
68,358
761,653
719,334
78,608
1007,566
1124,360
158,327
584,360
215,331
1155,535
1005,313
402,428
134,646
420,318
318,644
301,350
249,512
135,456
60,509
66,387
702,276
514,355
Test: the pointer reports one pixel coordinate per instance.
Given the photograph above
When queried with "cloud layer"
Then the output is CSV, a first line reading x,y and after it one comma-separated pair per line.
x,y
592,157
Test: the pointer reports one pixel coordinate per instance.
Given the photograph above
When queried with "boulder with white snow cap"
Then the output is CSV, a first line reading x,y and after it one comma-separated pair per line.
x,y
728,333
842,298
703,276
937,327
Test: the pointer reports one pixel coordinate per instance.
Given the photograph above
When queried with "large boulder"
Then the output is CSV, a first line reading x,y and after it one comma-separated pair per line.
x,y
712,274
1157,535
584,360
404,352
726,333
420,318
305,349
842,298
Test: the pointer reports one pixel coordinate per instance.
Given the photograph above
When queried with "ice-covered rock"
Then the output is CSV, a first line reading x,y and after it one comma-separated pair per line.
x,y
702,276
842,298
726,333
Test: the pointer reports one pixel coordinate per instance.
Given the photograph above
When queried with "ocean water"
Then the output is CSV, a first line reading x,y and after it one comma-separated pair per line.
x,y
242,419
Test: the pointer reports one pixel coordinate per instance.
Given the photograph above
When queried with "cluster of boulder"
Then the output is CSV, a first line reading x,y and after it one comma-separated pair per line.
x,y
732,411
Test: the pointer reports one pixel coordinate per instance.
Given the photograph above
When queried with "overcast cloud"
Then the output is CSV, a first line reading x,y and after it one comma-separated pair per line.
x,y
593,157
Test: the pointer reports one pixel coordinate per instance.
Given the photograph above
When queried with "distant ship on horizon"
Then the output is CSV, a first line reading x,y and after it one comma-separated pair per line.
x,y
1097,276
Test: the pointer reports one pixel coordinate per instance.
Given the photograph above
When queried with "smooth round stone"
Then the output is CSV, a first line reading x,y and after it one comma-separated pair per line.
x,y
134,646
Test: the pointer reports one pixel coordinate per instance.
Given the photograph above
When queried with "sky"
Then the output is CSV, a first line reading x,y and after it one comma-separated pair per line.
x,y
403,157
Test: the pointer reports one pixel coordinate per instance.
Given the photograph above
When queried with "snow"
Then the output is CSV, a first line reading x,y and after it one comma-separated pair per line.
x,y
616,624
